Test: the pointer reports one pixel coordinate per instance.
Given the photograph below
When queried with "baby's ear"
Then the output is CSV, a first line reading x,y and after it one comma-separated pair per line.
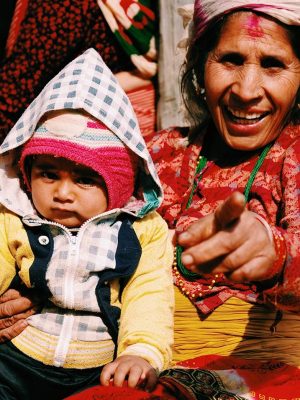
x,y
25,174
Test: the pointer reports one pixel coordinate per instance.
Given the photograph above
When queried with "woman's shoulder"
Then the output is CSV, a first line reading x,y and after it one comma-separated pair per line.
x,y
171,138
290,137
286,149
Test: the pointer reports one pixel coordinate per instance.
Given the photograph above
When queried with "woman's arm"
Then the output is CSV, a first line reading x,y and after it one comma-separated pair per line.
x,y
15,306
234,241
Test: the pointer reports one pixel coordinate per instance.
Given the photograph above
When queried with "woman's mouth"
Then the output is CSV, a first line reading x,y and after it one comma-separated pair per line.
x,y
243,117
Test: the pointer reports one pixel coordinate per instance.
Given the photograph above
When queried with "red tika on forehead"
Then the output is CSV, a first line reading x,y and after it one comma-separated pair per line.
x,y
253,26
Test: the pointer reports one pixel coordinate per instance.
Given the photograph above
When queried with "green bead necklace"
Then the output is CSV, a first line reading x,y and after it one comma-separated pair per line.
x,y
200,167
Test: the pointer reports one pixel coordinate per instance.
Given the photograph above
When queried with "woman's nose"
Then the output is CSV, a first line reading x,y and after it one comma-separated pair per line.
x,y
248,85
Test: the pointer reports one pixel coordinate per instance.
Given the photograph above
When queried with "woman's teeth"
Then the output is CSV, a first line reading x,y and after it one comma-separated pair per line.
x,y
245,117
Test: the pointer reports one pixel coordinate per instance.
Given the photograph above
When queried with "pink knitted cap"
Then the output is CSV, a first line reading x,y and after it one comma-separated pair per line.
x,y
78,137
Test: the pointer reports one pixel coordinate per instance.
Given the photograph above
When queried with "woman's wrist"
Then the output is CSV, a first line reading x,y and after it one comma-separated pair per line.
x,y
266,226
277,239
280,250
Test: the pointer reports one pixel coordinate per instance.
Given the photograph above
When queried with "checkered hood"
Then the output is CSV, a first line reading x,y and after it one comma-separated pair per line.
x,y
86,83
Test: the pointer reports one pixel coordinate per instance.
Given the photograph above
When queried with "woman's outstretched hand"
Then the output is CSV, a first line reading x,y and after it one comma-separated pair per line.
x,y
14,309
232,241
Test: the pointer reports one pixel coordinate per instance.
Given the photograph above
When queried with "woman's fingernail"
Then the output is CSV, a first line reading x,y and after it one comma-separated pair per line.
x,y
184,236
187,259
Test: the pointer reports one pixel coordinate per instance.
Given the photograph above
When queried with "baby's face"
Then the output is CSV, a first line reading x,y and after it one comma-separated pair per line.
x,y
66,192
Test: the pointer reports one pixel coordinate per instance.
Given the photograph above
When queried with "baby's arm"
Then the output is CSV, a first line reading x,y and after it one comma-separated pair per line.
x,y
146,323
7,261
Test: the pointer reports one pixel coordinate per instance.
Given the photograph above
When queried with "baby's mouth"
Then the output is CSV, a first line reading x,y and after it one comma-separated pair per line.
x,y
243,117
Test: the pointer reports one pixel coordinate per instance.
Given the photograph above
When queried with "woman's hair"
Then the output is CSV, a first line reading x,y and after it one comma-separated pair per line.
x,y
193,69
193,73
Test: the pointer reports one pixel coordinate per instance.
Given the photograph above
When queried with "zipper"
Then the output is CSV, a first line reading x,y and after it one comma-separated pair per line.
x,y
65,335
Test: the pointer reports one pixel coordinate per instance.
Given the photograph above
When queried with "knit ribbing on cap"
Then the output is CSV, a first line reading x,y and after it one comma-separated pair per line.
x,y
115,164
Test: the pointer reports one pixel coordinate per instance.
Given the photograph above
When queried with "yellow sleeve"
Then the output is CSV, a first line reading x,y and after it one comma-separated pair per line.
x,y
7,261
146,323
16,255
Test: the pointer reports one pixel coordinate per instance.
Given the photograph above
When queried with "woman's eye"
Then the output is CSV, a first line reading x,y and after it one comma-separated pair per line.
x,y
272,62
232,59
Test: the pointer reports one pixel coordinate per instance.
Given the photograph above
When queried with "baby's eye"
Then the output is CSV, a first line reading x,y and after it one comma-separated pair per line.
x,y
48,175
86,181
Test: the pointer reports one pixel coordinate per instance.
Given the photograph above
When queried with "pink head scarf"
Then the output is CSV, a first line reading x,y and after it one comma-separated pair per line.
x,y
206,11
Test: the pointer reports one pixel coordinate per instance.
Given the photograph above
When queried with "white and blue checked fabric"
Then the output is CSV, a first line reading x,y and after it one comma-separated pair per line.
x,y
73,280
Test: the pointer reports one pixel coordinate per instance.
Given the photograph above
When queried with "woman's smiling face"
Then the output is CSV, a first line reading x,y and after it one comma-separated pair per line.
x,y
251,79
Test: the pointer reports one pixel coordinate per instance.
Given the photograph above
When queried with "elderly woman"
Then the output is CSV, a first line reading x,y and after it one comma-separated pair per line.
x,y
232,195
237,280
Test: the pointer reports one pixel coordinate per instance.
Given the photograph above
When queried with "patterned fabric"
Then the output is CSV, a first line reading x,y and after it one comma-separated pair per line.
x,y
101,241
272,196
133,24
213,378
229,378
117,393
143,101
44,37
206,11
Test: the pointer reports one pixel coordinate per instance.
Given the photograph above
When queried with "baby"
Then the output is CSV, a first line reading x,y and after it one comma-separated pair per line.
x,y
78,191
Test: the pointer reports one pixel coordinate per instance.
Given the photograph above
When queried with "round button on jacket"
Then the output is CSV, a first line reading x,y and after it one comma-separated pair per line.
x,y
44,240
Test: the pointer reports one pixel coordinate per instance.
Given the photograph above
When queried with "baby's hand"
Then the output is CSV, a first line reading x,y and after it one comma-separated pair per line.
x,y
134,369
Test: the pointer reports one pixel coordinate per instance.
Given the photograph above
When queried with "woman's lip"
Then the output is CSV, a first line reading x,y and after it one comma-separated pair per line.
x,y
243,126
245,117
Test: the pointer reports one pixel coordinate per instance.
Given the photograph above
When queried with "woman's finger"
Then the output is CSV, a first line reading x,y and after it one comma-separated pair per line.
x,y
257,269
12,331
203,255
10,294
197,232
225,215
229,211
16,306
